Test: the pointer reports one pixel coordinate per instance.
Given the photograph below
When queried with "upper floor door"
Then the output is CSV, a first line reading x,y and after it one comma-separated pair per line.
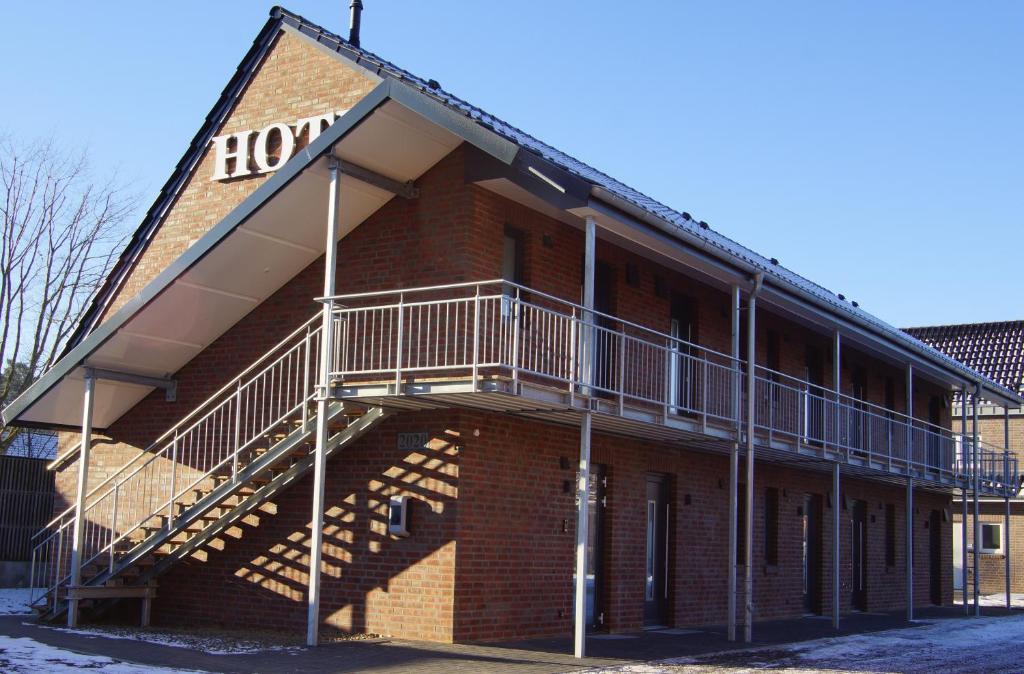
x,y
683,371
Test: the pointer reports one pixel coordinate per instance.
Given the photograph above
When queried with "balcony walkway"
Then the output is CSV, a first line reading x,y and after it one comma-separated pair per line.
x,y
501,347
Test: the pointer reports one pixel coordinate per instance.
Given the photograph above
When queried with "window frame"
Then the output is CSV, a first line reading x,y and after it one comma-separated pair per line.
x,y
991,551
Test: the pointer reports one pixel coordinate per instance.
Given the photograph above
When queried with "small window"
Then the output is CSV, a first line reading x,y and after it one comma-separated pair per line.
x,y
771,526
890,534
991,538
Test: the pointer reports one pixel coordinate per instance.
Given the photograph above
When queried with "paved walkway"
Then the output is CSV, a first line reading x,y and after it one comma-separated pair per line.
x,y
527,657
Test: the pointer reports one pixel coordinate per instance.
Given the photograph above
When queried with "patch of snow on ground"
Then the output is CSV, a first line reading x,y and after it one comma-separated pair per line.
x,y
998,600
951,645
14,600
214,645
21,655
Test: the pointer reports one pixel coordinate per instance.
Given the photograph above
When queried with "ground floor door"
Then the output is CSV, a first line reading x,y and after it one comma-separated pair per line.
x,y
658,521
811,518
858,555
935,557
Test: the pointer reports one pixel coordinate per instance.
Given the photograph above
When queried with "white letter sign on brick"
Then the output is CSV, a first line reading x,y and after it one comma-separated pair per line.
x,y
242,147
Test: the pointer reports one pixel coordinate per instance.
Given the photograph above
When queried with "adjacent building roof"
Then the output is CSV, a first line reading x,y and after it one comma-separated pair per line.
x,y
996,350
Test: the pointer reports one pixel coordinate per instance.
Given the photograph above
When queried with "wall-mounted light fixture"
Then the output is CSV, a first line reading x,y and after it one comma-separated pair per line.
x,y
398,516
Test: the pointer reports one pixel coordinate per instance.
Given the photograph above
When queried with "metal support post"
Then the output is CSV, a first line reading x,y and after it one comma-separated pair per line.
x,y
748,581
323,399
734,463
836,496
965,462
582,511
83,483
1006,499
583,476
910,549
977,485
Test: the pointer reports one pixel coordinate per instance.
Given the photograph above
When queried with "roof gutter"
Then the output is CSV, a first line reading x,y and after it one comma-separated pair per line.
x,y
732,264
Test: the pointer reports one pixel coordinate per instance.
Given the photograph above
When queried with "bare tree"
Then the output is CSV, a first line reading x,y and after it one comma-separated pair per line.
x,y
61,235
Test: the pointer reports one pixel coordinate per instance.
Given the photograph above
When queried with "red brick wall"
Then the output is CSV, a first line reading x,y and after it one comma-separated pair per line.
x,y
372,581
516,533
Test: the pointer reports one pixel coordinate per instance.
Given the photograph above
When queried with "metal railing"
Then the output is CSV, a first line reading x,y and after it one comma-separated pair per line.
x,y
214,441
499,328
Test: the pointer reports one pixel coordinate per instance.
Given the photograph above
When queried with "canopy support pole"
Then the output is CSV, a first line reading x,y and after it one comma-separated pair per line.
x,y
583,474
83,483
322,403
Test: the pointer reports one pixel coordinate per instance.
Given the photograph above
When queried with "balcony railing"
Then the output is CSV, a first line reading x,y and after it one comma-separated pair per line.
x,y
500,331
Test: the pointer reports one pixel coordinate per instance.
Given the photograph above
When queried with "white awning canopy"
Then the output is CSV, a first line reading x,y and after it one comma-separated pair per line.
x,y
268,239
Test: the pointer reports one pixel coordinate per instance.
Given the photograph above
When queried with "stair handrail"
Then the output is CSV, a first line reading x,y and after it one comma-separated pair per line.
x,y
167,434
247,377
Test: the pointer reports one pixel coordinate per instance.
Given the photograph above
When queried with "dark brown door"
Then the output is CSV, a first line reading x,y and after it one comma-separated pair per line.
x,y
683,374
657,521
935,556
811,517
814,399
934,441
859,556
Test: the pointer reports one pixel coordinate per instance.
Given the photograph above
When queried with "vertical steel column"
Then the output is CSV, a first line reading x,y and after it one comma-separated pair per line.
x,y
322,402
965,463
83,483
748,581
836,496
1006,499
734,462
910,549
583,476
977,484
909,492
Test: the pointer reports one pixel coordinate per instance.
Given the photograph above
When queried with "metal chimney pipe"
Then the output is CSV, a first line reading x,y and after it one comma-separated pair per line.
x,y
356,9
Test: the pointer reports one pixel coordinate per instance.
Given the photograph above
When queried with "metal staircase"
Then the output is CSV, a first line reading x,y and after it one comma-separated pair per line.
x,y
220,463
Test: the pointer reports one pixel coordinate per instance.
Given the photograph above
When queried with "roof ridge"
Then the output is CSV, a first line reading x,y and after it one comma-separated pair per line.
x,y
1017,321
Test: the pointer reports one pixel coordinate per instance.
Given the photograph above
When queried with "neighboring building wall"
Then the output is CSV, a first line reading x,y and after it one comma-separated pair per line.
x,y
993,565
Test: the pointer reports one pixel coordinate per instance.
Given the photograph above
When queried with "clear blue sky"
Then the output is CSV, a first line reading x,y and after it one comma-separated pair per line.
x,y
874,147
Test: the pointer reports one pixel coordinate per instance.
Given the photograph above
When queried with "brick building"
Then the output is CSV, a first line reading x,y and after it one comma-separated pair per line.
x,y
997,351
516,398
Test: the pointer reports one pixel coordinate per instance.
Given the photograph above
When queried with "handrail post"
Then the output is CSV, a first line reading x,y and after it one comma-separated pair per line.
x,y
57,569
174,472
801,396
574,369
622,370
398,345
305,379
704,395
113,525
516,324
238,433
476,339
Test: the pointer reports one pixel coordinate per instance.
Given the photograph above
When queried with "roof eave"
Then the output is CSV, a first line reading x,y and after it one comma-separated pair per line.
x,y
1003,395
